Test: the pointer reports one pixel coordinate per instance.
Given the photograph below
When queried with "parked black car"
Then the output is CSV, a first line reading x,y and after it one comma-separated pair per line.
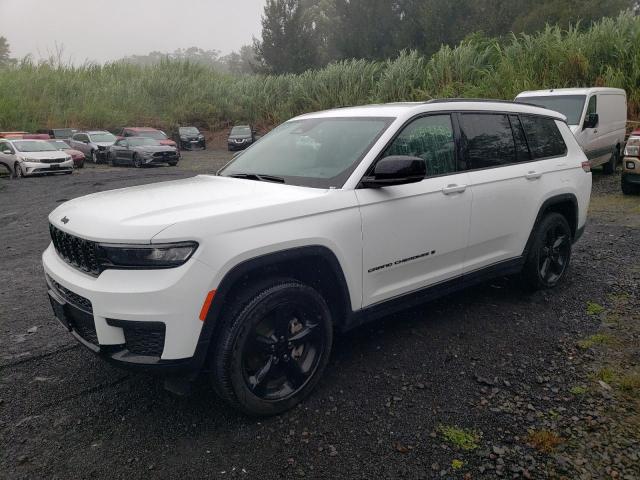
x,y
141,151
240,137
188,138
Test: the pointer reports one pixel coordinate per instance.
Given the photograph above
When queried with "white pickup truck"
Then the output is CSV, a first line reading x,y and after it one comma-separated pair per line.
x,y
597,117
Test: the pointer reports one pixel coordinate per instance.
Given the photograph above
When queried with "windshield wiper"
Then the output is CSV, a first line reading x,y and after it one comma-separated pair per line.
x,y
258,177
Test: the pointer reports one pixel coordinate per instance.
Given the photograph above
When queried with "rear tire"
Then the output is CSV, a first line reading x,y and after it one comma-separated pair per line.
x,y
610,167
273,345
549,254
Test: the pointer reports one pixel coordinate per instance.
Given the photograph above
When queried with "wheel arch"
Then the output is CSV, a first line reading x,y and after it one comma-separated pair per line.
x,y
565,204
314,265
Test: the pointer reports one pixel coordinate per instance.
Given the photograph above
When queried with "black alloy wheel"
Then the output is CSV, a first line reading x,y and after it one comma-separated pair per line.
x,y
275,349
137,163
550,252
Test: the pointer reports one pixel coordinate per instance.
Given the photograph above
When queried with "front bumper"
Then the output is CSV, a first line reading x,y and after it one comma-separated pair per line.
x,y
141,319
631,175
191,144
39,168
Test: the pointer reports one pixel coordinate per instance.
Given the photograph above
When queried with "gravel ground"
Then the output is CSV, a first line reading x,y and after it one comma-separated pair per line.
x,y
491,382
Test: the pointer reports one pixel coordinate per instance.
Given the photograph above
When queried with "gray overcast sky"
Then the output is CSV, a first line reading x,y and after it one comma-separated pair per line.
x,y
102,30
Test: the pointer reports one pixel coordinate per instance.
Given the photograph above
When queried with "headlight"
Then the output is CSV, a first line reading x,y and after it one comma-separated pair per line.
x,y
147,154
201,137
30,160
632,148
148,256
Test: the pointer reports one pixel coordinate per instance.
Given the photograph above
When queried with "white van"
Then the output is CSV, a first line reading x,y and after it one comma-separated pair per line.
x,y
597,117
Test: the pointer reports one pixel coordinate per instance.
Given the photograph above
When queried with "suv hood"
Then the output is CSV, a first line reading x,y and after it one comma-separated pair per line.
x,y
137,214
44,155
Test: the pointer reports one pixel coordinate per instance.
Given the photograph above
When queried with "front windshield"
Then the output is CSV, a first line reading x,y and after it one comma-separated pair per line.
x,y
188,131
570,106
102,137
157,134
59,144
241,131
315,152
142,142
34,146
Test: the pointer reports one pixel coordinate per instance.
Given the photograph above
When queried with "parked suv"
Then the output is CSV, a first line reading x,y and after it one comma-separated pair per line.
x,y
330,221
630,179
240,137
94,144
597,117
189,138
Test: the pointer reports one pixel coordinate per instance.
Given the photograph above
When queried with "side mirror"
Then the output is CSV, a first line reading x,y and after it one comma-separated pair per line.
x,y
396,170
591,121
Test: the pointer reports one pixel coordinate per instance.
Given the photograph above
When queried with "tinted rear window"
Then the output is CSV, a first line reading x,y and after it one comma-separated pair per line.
x,y
543,136
488,140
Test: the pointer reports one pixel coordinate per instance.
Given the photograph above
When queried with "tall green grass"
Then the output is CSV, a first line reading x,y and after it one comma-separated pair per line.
x,y
52,94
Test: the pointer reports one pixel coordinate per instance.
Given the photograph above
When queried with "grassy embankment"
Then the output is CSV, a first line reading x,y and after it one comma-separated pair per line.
x,y
35,96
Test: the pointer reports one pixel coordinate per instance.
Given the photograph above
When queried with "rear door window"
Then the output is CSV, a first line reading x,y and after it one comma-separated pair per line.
x,y
543,136
522,149
487,140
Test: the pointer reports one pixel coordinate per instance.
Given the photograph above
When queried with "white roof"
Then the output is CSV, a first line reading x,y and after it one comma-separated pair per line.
x,y
410,109
571,91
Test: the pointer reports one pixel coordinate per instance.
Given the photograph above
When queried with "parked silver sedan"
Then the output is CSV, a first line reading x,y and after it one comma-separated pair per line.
x,y
94,144
33,157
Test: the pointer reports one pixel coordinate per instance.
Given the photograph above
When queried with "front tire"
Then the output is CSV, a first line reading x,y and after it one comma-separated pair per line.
x,y
550,253
137,163
610,167
627,188
17,171
274,345
94,157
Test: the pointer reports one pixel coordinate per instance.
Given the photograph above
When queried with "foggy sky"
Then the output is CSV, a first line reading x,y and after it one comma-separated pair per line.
x,y
103,30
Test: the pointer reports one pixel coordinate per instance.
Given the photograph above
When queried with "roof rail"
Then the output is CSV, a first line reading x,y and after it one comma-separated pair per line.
x,y
475,100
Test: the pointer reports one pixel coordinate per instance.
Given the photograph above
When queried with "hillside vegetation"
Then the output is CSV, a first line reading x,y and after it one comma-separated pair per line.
x,y
169,93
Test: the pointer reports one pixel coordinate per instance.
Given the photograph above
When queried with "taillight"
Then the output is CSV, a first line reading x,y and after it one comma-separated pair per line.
x,y
586,166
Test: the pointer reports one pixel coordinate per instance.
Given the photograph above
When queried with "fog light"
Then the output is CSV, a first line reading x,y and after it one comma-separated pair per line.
x,y
631,166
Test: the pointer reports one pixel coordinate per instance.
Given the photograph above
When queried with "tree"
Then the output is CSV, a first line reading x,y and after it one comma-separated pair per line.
x,y
366,28
5,59
287,44
242,62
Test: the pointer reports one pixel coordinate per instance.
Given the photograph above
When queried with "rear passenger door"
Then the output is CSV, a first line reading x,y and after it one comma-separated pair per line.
x,y
505,183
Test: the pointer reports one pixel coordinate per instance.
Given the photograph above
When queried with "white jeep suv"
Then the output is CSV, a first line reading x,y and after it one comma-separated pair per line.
x,y
332,220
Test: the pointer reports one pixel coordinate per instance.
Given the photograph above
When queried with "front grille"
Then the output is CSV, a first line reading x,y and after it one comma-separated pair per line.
x,y
76,251
164,154
52,160
147,339
71,297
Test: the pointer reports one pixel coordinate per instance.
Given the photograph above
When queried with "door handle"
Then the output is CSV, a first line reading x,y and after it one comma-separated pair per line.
x,y
453,188
532,175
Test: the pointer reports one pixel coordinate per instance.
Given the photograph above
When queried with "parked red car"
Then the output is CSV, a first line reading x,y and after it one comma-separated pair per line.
x,y
147,132
76,155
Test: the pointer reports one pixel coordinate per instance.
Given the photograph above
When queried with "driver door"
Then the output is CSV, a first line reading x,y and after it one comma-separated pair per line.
x,y
416,235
